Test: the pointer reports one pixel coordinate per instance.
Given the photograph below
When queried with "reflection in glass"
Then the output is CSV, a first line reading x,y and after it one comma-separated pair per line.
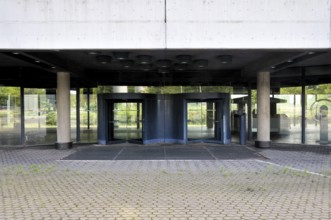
x,y
40,116
88,115
318,121
10,116
201,120
127,121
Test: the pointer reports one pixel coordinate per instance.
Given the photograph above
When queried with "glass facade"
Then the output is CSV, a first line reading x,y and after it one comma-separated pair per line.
x,y
285,116
10,116
88,115
39,116
318,114
285,112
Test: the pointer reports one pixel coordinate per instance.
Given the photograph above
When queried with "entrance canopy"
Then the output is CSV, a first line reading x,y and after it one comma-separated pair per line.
x,y
90,68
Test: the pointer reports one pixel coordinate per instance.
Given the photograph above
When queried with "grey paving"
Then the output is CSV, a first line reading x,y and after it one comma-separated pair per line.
x,y
35,183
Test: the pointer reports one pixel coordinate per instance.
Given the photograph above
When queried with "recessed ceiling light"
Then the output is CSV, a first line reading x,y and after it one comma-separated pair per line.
x,y
184,59
164,70
53,67
311,52
273,67
145,67
180,67
127,63
16,53
144,59
290,61
93,52
225,59
37,61
121,55
163,63
103,59
201,63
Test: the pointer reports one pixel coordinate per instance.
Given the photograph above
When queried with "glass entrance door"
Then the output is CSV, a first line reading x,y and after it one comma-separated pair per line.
x,y
125,121
203,121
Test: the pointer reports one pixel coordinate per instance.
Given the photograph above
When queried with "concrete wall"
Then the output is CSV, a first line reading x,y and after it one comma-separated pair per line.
x,y
140,24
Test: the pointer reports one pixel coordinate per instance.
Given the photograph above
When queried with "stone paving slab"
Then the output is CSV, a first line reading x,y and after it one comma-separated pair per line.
x,y
37,184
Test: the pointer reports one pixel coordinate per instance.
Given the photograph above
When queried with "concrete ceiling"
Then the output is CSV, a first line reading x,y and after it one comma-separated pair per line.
x,y
38,68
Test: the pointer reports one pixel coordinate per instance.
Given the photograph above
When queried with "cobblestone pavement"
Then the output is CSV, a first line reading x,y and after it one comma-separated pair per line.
x,y
36,184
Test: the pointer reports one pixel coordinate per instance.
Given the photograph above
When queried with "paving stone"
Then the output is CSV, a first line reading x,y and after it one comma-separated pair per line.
x,y
291,184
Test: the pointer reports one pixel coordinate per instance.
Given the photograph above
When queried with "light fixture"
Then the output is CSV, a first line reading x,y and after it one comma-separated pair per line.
x,y
37,61
103,59
273,67
16,53
201,63
144,59
121,55
290,61
311,52
225,59
163,63
145,67
127,63
180,67
92,53
184,59
163,70
53,67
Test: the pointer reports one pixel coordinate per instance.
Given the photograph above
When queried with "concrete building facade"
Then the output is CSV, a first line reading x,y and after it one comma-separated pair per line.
x,y
266,61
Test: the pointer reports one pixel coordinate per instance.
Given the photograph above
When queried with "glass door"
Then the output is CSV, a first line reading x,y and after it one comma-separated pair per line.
x,y
202,121
125,121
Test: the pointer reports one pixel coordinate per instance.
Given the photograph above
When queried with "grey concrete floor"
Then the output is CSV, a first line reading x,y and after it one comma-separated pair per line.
x,y
290,182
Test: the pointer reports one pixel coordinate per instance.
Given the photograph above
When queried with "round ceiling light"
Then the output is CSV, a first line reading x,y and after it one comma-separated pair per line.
x,y
127,63
180,67
163,63
164,70
121,55
103,59
145,67
144,59
184,59
225,59
92,53
201,63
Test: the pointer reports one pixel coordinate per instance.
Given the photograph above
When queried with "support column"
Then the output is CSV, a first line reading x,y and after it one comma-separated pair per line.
x,y
120,89
263,110
63,110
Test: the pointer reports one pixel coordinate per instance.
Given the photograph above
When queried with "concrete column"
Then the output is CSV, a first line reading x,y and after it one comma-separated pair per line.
x,y
63,110
120,89
139,89
263,110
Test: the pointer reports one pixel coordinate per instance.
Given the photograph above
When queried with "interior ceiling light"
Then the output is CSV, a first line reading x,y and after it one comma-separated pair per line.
x,y
145,67
127,63
37,61
92,53
121,55
201,63
163,70
311,52
290,61
180,67
103,59
144,59
184,59
225,59
163,63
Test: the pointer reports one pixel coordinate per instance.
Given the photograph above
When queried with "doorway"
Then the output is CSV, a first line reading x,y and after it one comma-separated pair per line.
x,y
125,121
204,121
